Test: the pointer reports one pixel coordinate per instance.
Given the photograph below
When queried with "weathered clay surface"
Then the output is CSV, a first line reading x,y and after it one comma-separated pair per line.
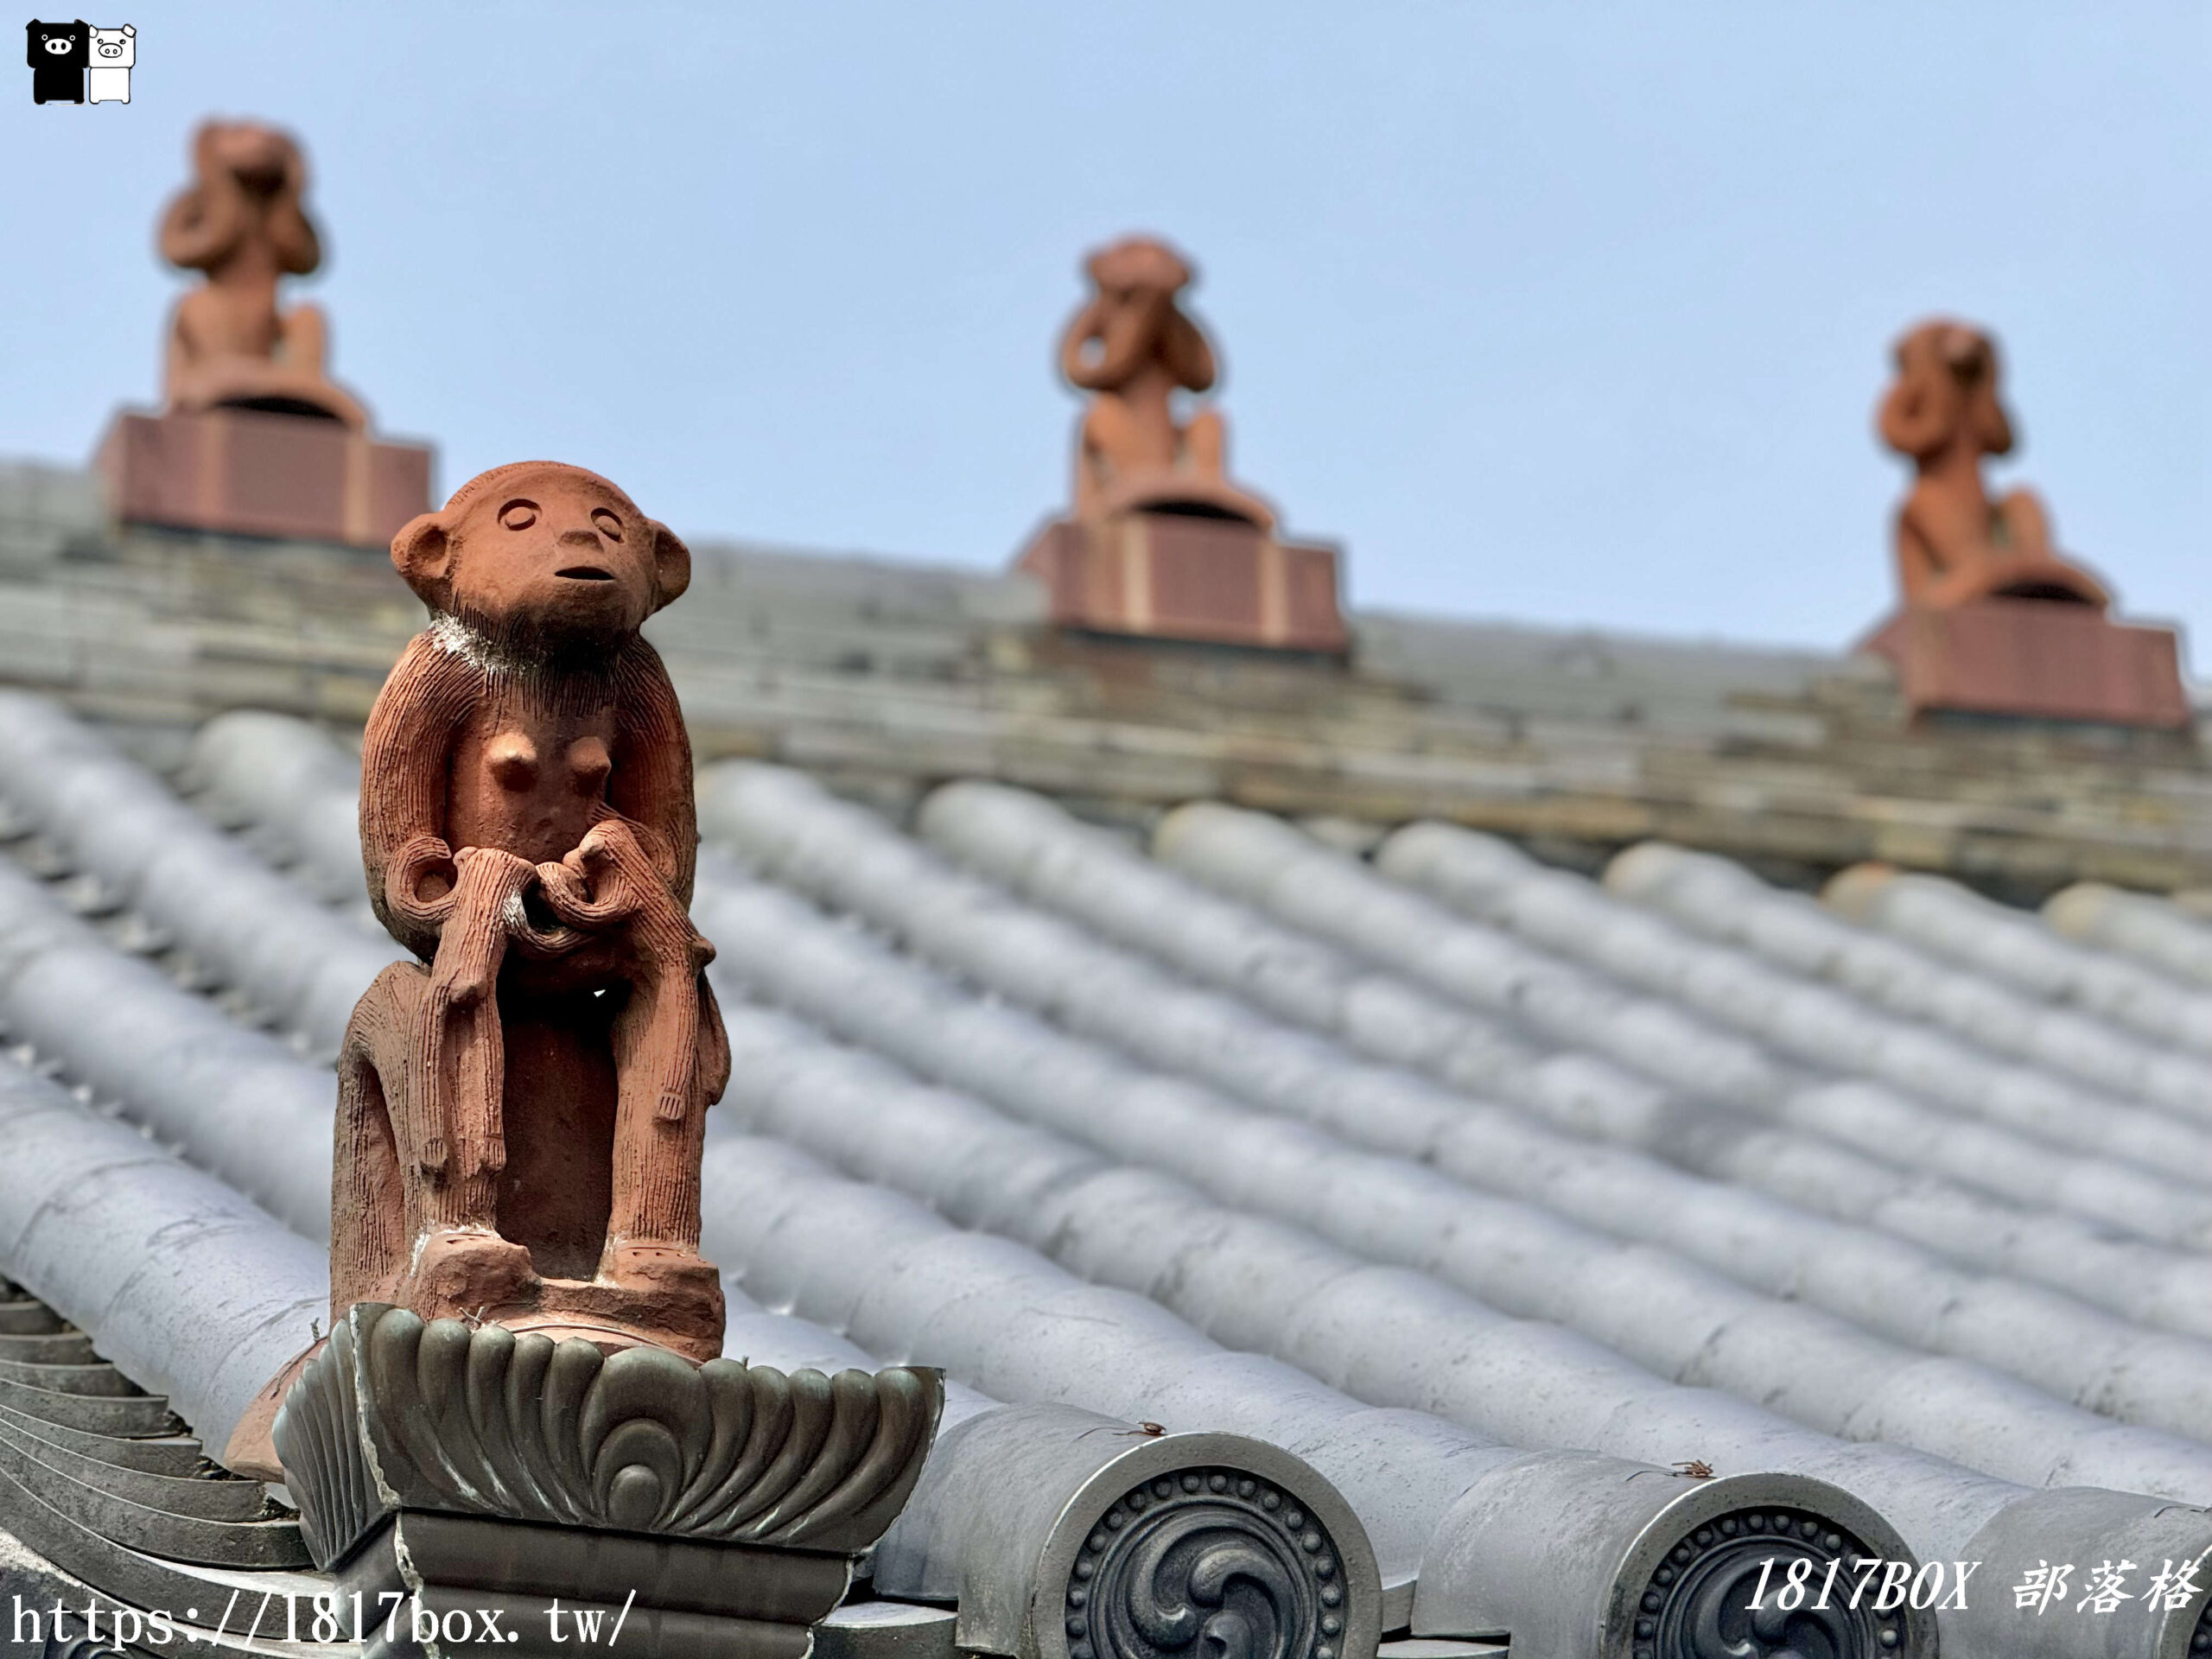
x,y
255,473
521,1111
2024,656
241,221
1955,545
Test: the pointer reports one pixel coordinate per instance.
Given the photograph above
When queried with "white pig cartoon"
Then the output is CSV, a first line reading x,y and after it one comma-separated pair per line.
x,y
114,52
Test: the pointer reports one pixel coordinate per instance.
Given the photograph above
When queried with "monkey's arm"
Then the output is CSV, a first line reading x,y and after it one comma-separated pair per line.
x,y
1090,324
299,249
650,784
406,755
1125,332
201,224
1183,345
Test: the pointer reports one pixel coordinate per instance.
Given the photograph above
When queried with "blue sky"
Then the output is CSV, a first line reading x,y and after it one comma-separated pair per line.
x,y
1558,314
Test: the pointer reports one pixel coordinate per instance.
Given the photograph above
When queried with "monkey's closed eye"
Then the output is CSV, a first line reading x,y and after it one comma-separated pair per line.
x,y
518,515
607,524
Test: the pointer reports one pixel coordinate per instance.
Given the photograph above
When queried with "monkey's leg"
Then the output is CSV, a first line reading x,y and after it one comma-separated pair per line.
x,y
1109,446
303,335
180,368
656,1205
1205,443
460,1263
652,1234
661,1109
2025,525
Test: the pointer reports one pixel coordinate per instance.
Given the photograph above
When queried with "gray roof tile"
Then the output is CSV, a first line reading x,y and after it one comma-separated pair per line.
x,y
1272,1116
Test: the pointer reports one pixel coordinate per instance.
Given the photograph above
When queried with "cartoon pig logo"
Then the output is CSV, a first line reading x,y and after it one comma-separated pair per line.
x,y
114,52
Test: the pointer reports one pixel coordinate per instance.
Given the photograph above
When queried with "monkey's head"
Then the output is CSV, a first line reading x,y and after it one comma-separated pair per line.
x,y
1137,268
251,181
261,158
542,557
1946,389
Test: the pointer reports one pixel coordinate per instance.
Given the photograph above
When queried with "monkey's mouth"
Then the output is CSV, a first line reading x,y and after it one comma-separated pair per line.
x,y
585,573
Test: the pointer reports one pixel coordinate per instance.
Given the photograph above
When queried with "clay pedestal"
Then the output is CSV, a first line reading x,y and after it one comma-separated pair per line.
x,y
2034,657
1180,576
244,471
715,1510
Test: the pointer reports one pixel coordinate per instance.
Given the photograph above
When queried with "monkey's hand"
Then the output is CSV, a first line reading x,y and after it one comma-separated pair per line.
x,y
602,882
421,884
658,851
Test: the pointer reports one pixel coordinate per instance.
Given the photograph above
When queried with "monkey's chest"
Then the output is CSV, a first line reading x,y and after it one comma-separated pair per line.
x,y
528,788
218,322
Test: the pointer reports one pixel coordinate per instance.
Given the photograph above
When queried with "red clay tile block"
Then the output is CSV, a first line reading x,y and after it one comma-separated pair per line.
x,y
1176,577
246,472
2035,659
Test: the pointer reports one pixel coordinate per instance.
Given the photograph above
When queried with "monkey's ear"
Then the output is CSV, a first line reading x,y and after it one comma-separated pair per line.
x,y
422,553
672,562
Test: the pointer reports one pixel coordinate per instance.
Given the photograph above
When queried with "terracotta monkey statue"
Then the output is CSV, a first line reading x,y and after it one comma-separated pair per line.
x,y
1133,347
1955,545
521,1113
243,223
